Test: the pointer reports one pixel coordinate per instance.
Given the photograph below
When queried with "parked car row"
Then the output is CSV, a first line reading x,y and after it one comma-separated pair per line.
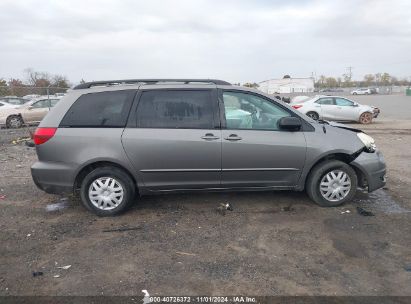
x,y
16,112
364,91
336,108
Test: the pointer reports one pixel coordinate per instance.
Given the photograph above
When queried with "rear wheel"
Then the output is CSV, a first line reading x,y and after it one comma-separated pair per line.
x,y
331,183
14,122
107,191
313,115
366,118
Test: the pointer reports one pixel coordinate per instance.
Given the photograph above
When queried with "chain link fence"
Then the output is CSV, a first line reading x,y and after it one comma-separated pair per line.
x,y
30,91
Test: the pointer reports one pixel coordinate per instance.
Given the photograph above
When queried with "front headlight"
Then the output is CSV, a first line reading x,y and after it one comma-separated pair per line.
x,y
368,141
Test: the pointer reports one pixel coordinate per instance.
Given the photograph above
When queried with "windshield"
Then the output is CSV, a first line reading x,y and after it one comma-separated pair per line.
x,y
16,102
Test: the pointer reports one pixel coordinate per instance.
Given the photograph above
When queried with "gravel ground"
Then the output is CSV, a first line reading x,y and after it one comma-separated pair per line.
x,y
274,243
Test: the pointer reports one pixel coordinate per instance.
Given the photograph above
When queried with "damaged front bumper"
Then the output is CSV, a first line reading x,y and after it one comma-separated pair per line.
x,y
372,168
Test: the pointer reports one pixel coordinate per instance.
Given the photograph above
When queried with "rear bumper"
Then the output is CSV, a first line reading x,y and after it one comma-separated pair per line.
x,y
53,177
372,166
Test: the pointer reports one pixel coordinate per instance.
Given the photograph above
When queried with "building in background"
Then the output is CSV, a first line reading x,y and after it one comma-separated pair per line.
x,y
287,85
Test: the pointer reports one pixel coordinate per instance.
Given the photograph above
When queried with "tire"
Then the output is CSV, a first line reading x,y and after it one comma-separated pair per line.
x,y
323,174
14,122
354,93
366,118
107,191
313,115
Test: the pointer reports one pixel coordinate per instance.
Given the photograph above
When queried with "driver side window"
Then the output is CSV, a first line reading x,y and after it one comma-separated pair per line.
x,y
248,111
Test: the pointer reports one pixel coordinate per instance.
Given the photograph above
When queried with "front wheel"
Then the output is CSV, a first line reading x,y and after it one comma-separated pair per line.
x,y
107,191
14,122
366,118
313,115
331,183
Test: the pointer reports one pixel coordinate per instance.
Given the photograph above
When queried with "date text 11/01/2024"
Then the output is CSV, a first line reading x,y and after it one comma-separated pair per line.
x,y
202,299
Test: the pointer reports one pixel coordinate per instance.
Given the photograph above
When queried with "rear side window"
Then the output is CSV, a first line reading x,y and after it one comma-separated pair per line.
x,y
175,109
326,101
104,109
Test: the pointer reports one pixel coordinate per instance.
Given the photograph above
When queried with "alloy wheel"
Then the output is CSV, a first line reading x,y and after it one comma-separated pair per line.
x,y
106,193
335,185
366,118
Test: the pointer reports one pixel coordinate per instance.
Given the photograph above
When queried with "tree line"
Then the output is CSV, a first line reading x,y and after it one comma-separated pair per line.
x,y
369,80
34,82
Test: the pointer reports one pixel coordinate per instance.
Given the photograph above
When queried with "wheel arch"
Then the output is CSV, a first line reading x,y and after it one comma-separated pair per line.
x,y
86,169
15,114
341,156
313,111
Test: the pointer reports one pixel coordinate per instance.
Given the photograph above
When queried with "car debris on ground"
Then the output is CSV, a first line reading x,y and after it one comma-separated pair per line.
x,y
222,208
288,209
64,267
20,139
363,212
121,229
185,253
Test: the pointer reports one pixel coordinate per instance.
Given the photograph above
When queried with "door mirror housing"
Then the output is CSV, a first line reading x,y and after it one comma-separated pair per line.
x,y
355,104
30,108
290,123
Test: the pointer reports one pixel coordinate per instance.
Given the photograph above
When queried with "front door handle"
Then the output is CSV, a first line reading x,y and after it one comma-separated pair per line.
x,y
233,137
210,136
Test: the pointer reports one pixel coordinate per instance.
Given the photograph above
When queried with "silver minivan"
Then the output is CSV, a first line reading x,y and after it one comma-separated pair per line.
x,y
111,140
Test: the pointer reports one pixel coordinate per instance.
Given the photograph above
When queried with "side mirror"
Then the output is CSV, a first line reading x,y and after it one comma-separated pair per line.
x,y
290,123
30,107
355,104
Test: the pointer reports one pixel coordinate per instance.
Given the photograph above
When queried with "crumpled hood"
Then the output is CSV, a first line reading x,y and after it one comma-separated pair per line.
x,y
342,126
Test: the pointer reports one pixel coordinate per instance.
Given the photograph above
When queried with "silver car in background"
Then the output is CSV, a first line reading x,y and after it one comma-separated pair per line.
x,y
336,108
110,140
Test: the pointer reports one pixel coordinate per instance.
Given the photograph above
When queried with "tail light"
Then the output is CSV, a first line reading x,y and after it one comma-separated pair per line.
x,y
41,135
297,106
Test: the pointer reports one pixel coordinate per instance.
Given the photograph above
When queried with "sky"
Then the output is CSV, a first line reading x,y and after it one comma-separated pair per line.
x,y
234,40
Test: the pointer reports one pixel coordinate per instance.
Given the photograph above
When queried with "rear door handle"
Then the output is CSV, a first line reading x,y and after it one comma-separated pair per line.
x,y
233,137
210,136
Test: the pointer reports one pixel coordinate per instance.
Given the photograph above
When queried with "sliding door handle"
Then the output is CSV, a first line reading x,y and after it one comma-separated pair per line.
x,y
210,136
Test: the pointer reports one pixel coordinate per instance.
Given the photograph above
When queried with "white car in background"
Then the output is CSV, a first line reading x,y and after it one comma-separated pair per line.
x,y
29,113
362,91
336,108
299,98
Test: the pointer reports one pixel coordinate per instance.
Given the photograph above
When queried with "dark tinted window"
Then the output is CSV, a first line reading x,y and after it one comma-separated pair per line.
x,y
175,109
105,109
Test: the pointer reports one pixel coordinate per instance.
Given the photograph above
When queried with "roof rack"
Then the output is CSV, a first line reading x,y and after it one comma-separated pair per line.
x,y
88,85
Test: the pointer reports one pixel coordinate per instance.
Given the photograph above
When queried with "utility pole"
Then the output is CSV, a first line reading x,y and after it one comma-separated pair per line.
x,y
350,71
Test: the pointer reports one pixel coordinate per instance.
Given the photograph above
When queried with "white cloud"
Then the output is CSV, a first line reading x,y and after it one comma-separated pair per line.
x,y
232,40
